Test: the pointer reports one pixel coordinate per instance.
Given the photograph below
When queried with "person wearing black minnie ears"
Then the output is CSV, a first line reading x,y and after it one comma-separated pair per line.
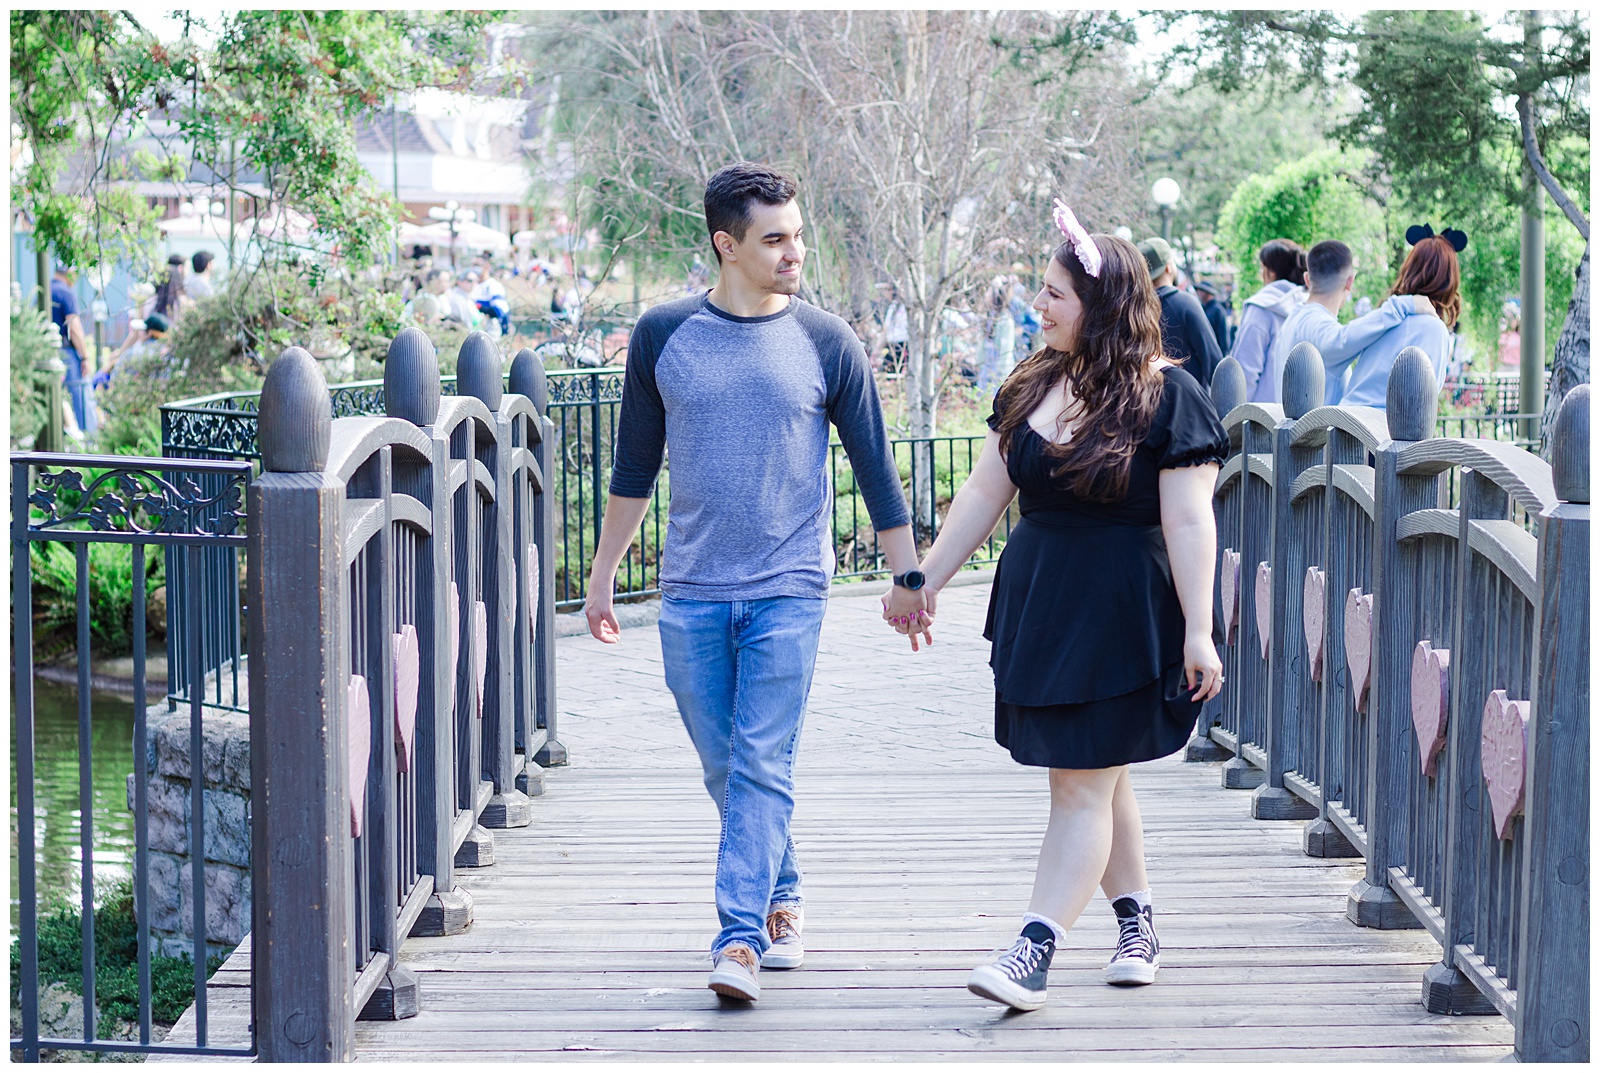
x,y
1100,613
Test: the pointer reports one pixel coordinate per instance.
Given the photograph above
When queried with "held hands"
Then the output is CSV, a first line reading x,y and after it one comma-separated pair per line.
x,y
910,613
1202,667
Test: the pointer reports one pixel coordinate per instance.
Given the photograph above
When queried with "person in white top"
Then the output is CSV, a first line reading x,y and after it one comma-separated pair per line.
x,y
200,284
1331,271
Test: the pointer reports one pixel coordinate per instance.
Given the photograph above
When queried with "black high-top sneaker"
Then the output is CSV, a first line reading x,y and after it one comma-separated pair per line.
x,y
1138,953
1018,976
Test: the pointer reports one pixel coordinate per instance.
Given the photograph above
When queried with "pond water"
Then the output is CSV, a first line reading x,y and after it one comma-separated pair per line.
x,y
57,817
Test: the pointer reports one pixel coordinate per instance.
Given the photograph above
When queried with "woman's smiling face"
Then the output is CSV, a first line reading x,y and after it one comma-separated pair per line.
x,y
1059,308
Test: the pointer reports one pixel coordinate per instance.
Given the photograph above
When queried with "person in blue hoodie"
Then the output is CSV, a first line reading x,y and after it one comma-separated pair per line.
x,y
1283,270
1433,272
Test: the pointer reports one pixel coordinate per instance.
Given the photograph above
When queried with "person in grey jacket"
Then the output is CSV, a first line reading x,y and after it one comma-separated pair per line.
x,y
1283,270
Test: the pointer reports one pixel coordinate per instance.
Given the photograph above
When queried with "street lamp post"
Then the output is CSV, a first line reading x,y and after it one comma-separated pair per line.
x,y
453,212
1165,194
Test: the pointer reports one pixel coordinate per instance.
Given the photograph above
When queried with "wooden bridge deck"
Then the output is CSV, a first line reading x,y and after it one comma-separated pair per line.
x,y
917,836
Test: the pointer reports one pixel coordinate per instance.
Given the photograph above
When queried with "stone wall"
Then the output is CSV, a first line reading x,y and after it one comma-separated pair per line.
x,y
225,770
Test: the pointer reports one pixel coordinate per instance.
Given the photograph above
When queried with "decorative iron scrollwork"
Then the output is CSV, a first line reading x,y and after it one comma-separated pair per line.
x,y
217,434
576,389
141,501
357,400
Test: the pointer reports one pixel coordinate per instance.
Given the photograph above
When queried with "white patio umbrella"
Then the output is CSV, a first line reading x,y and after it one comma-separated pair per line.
x,y
469,236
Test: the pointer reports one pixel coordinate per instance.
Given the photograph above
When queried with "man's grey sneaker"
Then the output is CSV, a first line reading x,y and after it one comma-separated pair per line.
x,y
1138,953
1018,976
783,928
733,973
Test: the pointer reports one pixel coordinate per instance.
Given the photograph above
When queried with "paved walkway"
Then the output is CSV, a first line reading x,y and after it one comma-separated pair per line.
x,y
917,834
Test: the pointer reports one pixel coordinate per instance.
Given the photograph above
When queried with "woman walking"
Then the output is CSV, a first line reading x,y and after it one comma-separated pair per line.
x,y
1100,613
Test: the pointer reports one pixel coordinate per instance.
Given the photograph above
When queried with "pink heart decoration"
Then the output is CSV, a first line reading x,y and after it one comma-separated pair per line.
x,y
533,593
1430,700
1230,592
358,707
1505,756
1313,610
453,614
480,648
1264,607
407,683
1358,645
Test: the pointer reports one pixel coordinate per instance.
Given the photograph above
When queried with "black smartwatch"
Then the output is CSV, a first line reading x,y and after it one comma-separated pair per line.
x,y
911,579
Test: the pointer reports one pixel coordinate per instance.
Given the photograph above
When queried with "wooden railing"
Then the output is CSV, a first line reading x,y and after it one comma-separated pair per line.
x,y
401,673
1407,668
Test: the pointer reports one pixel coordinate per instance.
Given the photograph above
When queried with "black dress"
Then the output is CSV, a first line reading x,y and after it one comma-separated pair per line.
x,y
1085,623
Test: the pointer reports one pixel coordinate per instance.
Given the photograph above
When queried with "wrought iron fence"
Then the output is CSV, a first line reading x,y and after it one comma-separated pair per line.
x,y
583,406
191,509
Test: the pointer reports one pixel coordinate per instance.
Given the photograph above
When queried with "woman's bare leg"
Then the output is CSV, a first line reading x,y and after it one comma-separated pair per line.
x,y
1125,872
1077,842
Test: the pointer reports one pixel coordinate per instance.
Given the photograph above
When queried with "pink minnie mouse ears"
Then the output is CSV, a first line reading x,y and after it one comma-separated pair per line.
x,y
1082,245
1417,232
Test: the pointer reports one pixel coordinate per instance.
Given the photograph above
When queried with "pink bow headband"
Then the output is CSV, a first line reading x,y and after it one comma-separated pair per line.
x,y
1082,245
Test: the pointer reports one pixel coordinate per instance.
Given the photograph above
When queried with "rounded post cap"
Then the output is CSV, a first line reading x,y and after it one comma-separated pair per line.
x,y
528,378
478,371
295,423
1227,386
1569,447
1412,403
411,378
1303,378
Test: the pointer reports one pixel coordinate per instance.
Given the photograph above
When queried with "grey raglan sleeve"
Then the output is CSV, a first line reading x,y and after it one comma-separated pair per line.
x,y
853,407
641,436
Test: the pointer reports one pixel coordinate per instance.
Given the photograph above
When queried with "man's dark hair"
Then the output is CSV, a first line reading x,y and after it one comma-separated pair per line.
x,y
1327,265
731,190
201,259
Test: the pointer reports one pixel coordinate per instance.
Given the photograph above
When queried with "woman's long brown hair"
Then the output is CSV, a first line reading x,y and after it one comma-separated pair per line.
x,y
1108,367
1432,269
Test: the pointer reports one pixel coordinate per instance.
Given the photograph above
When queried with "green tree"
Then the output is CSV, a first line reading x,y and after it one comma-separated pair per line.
x,y
1453,106
275,96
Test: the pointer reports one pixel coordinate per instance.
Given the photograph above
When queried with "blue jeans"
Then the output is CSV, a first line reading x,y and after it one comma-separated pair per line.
x,y
77,388
741,673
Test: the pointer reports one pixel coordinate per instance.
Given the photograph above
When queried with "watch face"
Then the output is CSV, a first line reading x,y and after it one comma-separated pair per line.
x,y
914,579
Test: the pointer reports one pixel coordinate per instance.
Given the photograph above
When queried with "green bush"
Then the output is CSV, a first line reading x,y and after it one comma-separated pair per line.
x,y
33,340
1307,200
116,957
55,591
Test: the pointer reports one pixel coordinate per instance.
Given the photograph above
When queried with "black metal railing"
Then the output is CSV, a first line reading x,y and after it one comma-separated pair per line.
x,y
190,510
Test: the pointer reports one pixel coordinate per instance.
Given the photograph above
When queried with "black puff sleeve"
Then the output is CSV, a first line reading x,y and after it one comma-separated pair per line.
x,y
993,419
1187,430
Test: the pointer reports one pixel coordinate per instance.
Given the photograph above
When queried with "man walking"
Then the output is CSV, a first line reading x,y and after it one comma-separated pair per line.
x,y
1216,311
1185,335
1330,273
76,353
739,384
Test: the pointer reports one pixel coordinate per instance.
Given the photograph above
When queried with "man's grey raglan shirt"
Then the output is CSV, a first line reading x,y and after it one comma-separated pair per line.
x,y
742,404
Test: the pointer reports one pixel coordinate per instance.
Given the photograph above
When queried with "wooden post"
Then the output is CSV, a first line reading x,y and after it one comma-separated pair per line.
x,y
1553,976
1411,406
304,870
411,391
1302,393
478,374
1445,988
528,378
1227,391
